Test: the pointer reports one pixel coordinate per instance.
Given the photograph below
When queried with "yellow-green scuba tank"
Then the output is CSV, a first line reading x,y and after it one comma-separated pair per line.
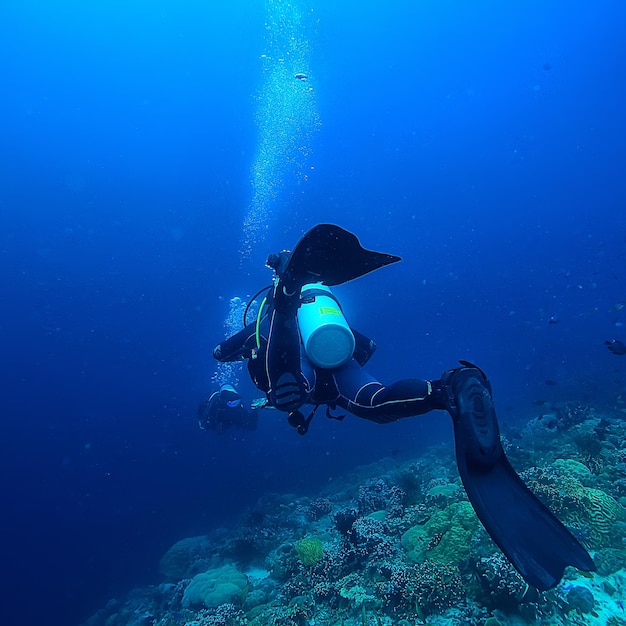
x,y
326,336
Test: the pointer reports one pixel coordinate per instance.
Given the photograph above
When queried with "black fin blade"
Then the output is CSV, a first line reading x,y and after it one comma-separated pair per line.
x,y
331,255
531,537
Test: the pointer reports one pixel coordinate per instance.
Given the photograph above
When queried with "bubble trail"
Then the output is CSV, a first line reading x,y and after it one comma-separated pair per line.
x,y
286,116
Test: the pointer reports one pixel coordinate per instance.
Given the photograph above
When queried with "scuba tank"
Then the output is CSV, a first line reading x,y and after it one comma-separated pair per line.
x,y
328,340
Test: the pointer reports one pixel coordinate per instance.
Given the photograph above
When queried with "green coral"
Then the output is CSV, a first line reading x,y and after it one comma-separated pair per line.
x,y
215,587
592,513
576,470
599,515
445,537
310,551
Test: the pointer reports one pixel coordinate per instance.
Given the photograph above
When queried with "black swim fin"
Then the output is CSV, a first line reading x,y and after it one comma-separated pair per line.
x,y
531,537
331,255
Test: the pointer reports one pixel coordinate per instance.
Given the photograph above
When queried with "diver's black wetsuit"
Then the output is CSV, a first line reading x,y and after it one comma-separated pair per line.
x,y
531,537
350,386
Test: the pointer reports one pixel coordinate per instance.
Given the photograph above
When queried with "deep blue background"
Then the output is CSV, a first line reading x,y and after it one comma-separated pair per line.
x,y
483,142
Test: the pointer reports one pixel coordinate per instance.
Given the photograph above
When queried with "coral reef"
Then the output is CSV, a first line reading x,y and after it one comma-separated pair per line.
x,y
398,543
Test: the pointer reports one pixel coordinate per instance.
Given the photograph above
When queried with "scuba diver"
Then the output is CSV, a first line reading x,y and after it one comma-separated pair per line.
x,y
616,347
300,350
224,409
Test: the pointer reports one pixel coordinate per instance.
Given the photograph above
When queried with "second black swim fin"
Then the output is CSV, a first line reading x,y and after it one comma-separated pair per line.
x,y
531,537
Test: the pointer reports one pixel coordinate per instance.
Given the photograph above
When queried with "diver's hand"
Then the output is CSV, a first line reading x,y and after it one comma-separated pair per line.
x,y
259,403
616,346
278,262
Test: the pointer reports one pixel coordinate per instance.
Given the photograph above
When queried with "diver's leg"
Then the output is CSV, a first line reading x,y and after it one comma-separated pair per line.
x,y
366,397
288,388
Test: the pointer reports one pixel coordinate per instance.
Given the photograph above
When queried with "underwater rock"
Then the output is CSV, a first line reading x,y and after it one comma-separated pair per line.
x,y
608,561
449,490
580,599
378,516
282,563
181,560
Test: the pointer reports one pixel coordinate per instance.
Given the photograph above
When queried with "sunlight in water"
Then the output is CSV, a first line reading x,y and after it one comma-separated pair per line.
x,y
286,116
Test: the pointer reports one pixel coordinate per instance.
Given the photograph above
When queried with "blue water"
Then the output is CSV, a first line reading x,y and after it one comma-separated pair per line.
x,y
483,143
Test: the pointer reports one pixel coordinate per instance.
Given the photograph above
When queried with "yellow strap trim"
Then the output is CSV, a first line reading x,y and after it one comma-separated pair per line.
x,y
259,315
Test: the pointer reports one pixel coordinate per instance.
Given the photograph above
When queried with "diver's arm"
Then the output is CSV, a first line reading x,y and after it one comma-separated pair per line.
x,y
237,347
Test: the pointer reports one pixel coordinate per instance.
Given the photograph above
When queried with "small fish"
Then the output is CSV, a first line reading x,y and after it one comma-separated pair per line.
x,y
554,319
616,346
302,77
540,402
550,382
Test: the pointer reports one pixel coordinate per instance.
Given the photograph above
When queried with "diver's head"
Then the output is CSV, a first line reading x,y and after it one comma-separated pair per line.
x,y
229,396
